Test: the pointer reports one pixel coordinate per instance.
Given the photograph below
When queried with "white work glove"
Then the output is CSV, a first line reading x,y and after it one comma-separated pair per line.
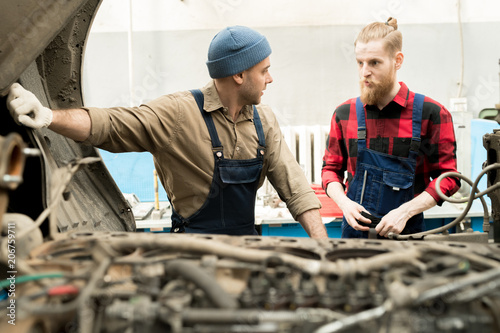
x,y
26,109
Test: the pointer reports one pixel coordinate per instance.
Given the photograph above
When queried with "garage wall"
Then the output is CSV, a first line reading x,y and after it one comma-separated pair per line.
x,y
139,50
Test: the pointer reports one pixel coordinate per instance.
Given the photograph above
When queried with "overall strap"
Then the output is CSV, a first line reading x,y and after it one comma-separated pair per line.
x,y
198,96
360,113
418,105
258,128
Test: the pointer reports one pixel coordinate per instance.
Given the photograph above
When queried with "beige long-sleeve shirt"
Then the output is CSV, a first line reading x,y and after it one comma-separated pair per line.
x,y
172,129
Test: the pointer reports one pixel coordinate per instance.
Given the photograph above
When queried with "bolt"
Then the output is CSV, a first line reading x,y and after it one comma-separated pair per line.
x,y
32,152
12,179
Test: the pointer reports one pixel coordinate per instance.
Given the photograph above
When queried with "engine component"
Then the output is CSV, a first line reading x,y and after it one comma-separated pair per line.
x,y
491,143
11,167
126,282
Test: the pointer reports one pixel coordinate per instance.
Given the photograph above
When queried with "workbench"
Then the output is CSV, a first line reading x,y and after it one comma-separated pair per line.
x,y
279,222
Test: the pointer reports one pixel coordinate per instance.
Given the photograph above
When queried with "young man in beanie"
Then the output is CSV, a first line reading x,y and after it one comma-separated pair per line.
x,y
212,147
392,142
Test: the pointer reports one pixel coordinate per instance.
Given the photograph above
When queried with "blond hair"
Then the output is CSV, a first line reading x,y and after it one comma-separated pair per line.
x,y
387,31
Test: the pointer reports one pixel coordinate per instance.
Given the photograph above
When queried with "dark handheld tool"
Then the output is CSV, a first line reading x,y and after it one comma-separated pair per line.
x,y
372,234
375,220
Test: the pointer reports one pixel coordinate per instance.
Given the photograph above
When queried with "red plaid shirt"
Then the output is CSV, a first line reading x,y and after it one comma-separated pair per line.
x,y
389,131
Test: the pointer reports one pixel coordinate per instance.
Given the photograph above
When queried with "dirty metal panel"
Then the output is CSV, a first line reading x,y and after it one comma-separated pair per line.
x,y
27,28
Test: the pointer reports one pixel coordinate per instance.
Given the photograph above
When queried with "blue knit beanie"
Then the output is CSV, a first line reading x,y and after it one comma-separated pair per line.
x,y
235,49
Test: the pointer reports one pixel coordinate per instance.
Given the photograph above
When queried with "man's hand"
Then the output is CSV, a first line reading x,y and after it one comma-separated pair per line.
x,y
394,221
26,109
350,209
352,213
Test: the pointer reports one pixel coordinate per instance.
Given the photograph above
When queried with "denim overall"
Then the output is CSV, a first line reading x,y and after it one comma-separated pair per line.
x,y
384,182
230,205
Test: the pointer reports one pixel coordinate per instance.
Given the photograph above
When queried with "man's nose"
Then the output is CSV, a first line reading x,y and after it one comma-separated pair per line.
x,y
269,78
365,71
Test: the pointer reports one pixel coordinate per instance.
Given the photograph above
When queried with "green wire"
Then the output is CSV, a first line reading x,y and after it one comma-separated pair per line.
x,y
26,278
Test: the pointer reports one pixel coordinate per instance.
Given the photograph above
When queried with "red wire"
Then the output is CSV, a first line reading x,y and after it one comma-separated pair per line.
x,y
63,290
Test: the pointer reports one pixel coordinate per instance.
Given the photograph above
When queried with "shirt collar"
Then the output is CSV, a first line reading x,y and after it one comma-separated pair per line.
x,y
401,97
213,103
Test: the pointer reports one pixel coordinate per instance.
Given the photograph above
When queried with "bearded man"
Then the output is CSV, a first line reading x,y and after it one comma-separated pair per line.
x,y
392,142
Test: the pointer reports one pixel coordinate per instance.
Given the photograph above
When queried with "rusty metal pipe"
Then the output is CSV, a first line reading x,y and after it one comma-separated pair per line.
x,y
12,160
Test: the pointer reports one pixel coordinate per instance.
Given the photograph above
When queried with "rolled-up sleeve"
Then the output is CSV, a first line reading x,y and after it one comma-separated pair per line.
x,y
440,147
283,171
335,158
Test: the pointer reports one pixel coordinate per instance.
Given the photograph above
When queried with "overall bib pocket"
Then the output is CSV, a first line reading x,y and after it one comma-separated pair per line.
x,y
397,189
246,171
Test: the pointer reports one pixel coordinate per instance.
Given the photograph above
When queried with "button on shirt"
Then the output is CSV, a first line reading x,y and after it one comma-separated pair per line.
x,y
173,130
389,131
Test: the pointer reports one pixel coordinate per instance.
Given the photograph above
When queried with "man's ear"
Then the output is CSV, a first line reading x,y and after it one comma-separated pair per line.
x,y
238,78
399,59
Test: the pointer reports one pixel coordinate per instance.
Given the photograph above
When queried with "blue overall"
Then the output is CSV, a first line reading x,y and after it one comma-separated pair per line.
x,y
384,182
230,205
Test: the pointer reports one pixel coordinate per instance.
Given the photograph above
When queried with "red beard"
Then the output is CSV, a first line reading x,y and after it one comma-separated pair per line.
x,y
377,91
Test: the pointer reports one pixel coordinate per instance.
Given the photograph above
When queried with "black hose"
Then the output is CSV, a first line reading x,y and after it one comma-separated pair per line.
x,y
474,195
204,281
